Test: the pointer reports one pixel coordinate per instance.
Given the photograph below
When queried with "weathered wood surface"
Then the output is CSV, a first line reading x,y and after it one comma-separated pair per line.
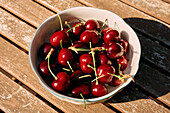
x,y
58,5
28,10
12,59
155,8
131,100
14,98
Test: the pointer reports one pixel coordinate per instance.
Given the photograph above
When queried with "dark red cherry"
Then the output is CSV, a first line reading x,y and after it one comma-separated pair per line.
x,y
89,36
57,37
114,50
45,49
92,25
125,45
123,62
77,74
78,28
105,69
62,83
106,30
84,89
102,58
115,82
111,35
85,68
64,56
99,90
44,68
78,44
86,58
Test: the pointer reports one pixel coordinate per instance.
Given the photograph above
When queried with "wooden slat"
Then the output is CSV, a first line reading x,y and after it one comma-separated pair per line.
x,y
16,62
156,8
131,100
154,82
27,10
14,98
58,5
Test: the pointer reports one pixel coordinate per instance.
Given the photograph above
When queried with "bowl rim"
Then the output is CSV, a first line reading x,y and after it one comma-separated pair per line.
x,y
90,99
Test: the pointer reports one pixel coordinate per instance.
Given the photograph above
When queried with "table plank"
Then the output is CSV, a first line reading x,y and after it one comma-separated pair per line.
x,y
27,10
131,100
14,98
155,8
12,59
58,5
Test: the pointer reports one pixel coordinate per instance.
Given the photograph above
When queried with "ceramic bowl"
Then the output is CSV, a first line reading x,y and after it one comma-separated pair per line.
x,y
51,24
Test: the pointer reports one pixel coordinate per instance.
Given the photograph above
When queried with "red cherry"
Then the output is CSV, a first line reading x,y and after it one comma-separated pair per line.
x,y
85,68
114,50
44,68
102,57
86,58
115,82
62,83
125,45
105,69
84,89
78,30
111,35
64,56
45,49
123,62
99,90
92,25
106,30
89,35
57,37
78,44
78,73
66,30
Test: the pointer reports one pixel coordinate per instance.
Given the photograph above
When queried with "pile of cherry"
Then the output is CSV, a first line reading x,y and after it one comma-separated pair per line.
x,y
84,57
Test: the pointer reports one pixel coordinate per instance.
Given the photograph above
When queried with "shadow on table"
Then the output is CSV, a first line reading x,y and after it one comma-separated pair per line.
x,y
147,77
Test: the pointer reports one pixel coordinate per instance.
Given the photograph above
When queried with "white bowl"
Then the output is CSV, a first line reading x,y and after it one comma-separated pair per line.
x,y
51,24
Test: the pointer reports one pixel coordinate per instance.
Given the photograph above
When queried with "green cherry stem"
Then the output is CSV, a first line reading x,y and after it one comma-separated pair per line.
x,y
83,100
68,25
106,20
66,69
74,27
84,76
90,44
71,67
61,44
60,22
98,78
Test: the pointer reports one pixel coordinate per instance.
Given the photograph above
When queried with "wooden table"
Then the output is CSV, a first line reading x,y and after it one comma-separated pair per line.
x,y
20,89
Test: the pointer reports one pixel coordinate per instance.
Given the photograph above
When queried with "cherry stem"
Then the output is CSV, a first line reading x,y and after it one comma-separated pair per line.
x,y
106,20
84,76
61,44
66,69
118,76
68,25
90,45
60,22
71,67
94,63
115,25
48,57
83,100
98,78
74,27
78,49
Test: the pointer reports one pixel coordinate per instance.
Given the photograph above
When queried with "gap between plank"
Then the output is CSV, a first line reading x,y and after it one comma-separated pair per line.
x,y
30,90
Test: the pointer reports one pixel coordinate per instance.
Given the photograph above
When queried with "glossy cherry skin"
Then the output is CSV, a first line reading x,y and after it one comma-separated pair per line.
x,y
57,37
64,56
123,62
89,36
105,69
114,50
125,45
44,68
115,82
102,58
78,44
106,30
45,49
84,89
86,58
62,83
85,68
111,35
98,90
92,25
78,30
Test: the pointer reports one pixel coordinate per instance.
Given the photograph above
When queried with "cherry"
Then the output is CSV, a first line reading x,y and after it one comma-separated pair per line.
x,y
45,49
78,44
115,82
66,29
62,82
77,28
59,36
98,90
111,35
123,62
84,89
85,68
89,36
125,45
106,30
114,50
64,56
86,58
105,69
76,74
92,25
44,68
102,58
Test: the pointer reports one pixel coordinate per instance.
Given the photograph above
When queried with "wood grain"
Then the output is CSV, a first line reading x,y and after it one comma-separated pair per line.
x,y
155,8
14,98
59,5
27,10
16,62
131,100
